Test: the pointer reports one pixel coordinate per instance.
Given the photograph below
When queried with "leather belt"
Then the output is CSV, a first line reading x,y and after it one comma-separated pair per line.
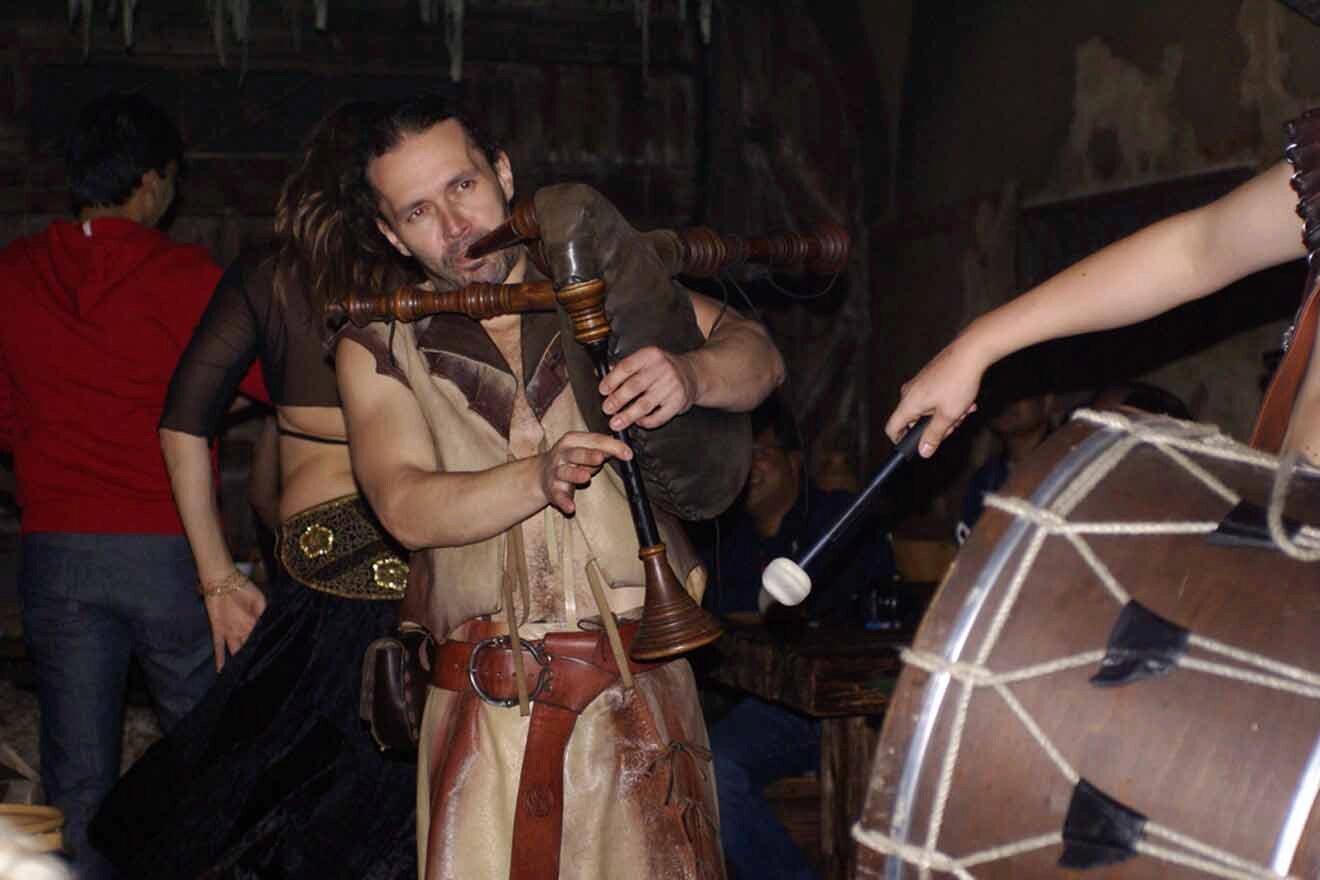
x,y
571,669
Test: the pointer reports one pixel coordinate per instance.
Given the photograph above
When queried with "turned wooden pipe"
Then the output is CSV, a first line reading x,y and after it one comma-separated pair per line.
x,y
672,623
477,300
821,252
703,252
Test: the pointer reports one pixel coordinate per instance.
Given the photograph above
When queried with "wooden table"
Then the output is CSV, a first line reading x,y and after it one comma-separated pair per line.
x,y
840,675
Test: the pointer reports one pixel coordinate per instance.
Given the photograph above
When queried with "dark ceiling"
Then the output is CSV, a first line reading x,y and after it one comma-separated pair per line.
x,y
1309,8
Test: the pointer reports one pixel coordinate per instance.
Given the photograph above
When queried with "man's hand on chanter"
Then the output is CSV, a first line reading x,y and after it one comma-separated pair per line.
x,y
648,388
571,463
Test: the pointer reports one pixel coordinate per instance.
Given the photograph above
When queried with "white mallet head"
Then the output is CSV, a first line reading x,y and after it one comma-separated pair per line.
x,y
783,581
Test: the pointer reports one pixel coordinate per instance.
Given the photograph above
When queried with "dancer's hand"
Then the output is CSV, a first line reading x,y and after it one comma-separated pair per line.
x,y
233,614
946,390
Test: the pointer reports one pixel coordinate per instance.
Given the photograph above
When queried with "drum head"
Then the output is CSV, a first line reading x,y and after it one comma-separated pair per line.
x,y
1098,684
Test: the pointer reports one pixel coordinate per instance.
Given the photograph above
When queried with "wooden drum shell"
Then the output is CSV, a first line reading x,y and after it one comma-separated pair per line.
x,y
1215,759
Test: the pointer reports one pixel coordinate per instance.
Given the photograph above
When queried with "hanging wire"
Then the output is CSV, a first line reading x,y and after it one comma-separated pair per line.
x,y
802,297
784,389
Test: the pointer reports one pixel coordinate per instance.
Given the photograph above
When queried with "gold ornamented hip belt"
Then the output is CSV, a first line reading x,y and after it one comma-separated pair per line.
x,y
340,548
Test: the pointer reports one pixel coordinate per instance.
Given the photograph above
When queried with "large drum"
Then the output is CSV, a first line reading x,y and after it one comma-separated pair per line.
x,y
1119,677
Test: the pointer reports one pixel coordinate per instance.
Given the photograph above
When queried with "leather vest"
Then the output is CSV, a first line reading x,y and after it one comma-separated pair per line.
x,y
466,394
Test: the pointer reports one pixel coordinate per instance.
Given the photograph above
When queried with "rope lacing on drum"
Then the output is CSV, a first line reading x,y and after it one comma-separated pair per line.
x,y
1259,670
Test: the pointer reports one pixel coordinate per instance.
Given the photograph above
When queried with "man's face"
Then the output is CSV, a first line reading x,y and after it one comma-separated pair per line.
x,y
772,477
436,195
1023,416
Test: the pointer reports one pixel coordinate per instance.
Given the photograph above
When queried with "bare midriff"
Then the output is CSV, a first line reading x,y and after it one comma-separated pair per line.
x,y
310,472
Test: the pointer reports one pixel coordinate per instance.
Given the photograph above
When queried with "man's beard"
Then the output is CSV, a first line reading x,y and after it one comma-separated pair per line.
x,y
450,274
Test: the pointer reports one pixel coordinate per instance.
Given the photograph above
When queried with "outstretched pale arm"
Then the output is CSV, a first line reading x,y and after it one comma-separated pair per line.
x,y
1169,263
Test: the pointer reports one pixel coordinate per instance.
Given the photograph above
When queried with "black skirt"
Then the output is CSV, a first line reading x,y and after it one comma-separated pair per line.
x,y
273,775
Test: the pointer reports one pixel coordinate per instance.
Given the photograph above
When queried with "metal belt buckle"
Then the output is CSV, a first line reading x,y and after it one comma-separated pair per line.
x,y
536,649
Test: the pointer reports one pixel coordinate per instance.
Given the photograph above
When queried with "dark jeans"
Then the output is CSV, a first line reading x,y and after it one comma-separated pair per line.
x,y
755,744
90,602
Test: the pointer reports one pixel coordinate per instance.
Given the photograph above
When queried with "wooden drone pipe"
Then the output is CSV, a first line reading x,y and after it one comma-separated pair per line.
x,y
707,252
701,252
478,301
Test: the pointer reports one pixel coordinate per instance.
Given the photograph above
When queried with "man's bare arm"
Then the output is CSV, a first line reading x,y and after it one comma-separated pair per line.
x,y
735,370
395,464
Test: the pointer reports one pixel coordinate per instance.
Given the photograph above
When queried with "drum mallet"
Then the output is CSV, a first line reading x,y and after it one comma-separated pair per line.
x,y
787,582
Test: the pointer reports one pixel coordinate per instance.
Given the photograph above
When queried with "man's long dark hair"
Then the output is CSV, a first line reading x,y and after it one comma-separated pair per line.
x,y
326,249
327,209
420,113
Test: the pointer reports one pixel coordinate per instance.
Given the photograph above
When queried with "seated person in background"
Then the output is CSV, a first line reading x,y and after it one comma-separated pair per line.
x,y
757,742
1022,425
1019,427
781,514
1143,396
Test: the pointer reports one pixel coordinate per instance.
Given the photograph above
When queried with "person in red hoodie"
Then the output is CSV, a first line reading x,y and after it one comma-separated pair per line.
x,y
97,311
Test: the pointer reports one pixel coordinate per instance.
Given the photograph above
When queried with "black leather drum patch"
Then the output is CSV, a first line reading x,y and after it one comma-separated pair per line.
x,y
1098,830
1246,526
1141,645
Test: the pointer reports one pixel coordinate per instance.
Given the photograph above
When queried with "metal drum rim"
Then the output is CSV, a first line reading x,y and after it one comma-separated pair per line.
x,y
938,682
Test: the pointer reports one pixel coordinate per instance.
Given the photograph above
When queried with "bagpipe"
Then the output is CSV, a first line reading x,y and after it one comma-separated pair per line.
x,y
614,290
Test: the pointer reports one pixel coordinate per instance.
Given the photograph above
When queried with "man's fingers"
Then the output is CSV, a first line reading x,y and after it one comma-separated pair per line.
x,y
647,388
637,399
624,392
638,411
574,475
575,459
590,458
561,497
626,368
659,416
611,446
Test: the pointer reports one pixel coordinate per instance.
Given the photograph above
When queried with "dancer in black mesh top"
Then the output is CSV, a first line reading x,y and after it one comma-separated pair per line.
x,y
274,775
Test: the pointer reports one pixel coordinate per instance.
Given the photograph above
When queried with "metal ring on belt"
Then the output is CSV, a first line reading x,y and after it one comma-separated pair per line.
x,y
536,649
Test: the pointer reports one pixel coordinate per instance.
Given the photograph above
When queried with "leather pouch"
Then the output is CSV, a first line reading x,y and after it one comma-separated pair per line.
x,y
395,673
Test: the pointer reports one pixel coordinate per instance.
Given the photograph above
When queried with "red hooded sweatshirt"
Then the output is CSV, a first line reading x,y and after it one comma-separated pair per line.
x,y
94,317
